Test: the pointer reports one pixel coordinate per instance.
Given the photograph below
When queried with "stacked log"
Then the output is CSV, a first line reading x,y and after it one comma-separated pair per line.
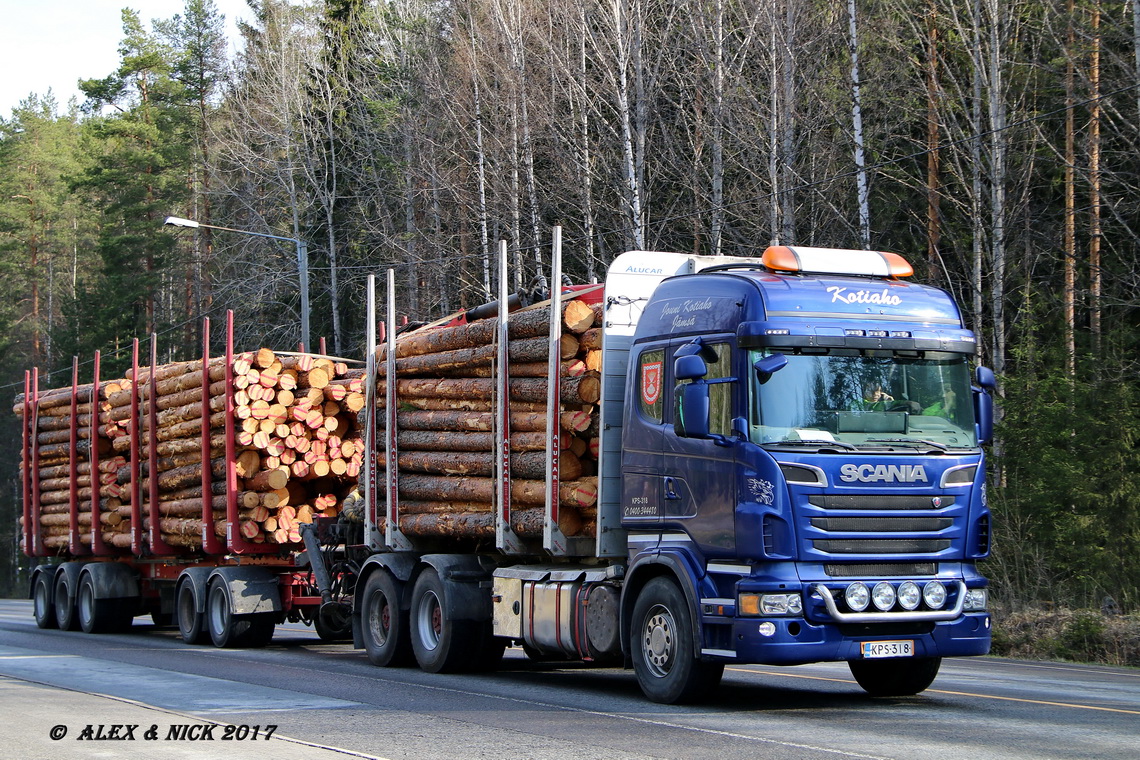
x,y
445,390
296,449
52,439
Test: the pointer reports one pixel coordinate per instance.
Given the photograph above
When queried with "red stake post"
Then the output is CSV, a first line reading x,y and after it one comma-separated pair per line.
x,y
157,545
26,465
238,543
210,542
37,535
74,545
136,497
97,545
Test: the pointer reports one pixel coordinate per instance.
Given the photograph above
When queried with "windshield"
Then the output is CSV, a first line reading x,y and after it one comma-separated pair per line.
x,y
849,399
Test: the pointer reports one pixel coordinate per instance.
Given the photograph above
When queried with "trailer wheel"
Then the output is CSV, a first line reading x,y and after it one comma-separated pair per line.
x,y
895,678
64,601
99,615
228,630
441,645
664,652
42,602
191,623
383,624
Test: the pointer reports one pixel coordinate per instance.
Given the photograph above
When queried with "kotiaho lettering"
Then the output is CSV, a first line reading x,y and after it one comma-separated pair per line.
x,y
881,298
883,473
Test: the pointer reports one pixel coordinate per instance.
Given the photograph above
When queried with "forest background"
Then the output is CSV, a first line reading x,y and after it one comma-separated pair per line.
x,y
994,143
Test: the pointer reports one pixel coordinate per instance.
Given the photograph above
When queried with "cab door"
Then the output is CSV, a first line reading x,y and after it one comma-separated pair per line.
x,y
698,478
642,434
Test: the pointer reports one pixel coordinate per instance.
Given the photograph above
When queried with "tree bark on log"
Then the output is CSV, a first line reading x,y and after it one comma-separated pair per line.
x,y
434,440
527,465
457,525
473,489
585,389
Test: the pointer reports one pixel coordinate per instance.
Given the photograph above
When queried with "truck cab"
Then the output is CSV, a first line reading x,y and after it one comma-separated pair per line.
x,y
801,462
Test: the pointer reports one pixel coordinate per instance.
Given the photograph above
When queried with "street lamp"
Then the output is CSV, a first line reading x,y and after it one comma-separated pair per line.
x,y
302,263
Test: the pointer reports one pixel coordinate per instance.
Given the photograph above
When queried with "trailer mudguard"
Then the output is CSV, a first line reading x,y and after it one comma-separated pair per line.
x,y
251,590
112,580
69,571
197,577
649,565
49,571
401,566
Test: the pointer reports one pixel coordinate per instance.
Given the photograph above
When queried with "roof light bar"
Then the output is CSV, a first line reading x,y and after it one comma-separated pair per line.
x,y
783,258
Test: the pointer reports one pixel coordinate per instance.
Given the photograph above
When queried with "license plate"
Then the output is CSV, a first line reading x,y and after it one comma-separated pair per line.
x,y
873,650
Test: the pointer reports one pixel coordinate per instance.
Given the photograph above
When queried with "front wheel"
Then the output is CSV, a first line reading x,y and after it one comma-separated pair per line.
x,y
664,651
895,678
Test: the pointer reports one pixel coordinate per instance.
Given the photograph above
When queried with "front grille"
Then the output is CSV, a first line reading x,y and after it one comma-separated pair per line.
x,y
881,570
880,501
881,524
881,546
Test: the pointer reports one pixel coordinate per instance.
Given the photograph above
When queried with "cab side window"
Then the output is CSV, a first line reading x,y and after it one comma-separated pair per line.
x,y
720,394
650,381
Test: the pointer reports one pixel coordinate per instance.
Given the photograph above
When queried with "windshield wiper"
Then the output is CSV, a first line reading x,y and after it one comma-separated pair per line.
x,y
820,444
918,441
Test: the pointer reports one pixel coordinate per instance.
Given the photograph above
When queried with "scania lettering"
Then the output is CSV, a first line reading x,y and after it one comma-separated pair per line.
x,y
874,473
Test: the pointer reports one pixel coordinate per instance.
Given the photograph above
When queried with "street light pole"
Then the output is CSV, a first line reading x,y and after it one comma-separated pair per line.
x,y
302,263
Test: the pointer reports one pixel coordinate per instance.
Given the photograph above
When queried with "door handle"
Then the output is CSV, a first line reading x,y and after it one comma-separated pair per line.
x,y
671,489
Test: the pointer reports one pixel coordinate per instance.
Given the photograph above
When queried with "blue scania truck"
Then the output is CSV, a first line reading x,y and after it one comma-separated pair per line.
x,y
790,471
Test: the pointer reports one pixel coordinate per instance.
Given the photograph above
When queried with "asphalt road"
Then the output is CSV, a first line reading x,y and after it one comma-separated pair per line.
x,y
326,701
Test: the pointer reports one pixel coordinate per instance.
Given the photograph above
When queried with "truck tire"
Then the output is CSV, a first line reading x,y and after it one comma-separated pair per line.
x,y
228,630
441,645
191,623
902,677
383,625
42,605
64,602
664,652
99,615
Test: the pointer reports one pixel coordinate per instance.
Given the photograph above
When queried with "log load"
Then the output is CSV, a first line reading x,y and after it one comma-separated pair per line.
x,y
297,450
445,387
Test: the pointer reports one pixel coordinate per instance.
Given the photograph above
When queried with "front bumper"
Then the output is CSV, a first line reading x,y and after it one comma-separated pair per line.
x,y
797,641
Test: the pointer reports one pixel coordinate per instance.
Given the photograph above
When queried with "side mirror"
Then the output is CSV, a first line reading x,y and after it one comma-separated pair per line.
x,y
691,414
984,404
691,367
769,365
984,377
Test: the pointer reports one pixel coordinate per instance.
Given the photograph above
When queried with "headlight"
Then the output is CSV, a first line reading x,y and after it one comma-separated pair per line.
x,y
781,604
975,600
934,594
909,595
883,595
857,596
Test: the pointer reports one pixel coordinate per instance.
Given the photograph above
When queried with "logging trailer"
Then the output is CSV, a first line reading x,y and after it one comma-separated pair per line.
x,y
722,460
